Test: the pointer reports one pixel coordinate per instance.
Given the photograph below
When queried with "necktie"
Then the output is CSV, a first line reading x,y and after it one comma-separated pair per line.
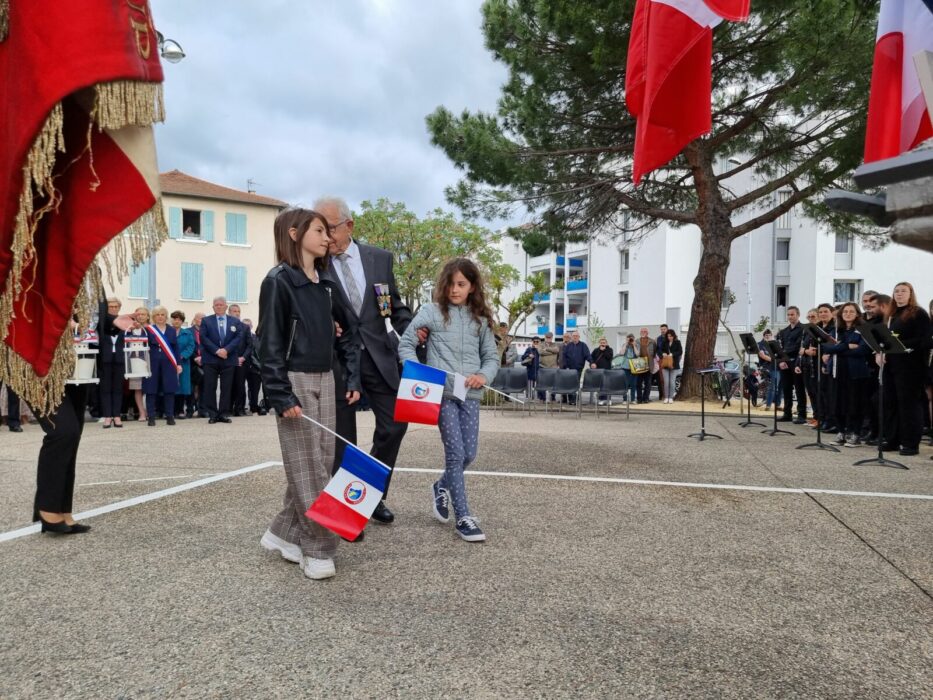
x,y
221,327
356,300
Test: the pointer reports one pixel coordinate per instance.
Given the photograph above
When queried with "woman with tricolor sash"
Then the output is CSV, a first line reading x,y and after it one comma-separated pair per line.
x,y
164,366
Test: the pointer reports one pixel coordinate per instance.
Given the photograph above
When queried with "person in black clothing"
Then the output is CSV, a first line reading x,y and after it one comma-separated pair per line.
x,y
601,358
239,399
13,418
790,338
673,351
827,398
253,372
531,359
111,367
904,373
661,348
849,358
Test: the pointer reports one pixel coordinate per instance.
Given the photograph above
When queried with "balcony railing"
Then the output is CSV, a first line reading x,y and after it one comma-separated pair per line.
x,y
576,285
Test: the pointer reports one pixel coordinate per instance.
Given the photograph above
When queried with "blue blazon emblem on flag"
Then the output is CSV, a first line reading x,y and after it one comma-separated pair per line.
x,y
354,492
420,391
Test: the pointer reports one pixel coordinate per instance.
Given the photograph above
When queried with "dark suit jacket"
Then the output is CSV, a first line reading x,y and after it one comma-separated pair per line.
x,y
211,341
383,348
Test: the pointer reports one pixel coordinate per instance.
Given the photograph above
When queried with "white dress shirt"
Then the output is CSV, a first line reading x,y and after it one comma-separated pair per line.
x,y
356,267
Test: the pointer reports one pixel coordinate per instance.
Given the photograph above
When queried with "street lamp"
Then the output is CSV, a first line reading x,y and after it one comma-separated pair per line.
x,y
169,49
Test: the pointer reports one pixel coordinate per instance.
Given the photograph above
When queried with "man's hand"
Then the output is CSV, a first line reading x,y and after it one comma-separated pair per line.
x,y
197,360
797,370
475,381
222,353
782,365
125,322
592,365
810,351
880,360
353,397
853,346
422,334
239,361
178,369
293,412
338,331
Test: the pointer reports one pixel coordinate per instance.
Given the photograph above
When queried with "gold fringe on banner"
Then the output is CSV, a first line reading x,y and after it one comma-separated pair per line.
x,y
140,240
4,19
128,103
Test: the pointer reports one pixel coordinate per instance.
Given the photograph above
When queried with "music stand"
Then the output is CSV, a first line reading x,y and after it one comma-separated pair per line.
x,y
819,336
750,345
880,340
702,435
777,356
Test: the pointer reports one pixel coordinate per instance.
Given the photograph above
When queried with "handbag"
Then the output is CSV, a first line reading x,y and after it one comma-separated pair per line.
x,y
638,365
667,362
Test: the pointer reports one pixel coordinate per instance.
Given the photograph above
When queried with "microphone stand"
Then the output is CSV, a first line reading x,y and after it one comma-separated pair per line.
x,y
777,356
880,340
819,444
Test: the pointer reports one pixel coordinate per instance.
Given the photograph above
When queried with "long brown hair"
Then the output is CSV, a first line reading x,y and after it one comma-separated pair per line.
x,y
911,307
288,251
476,301
858,316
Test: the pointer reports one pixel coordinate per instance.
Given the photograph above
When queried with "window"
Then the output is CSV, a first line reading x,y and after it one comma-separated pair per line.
x,y
842,243
780,296
783,221
236,283
192,281
623,308
139,280
190,224
782,249
235,228
846,290
624,259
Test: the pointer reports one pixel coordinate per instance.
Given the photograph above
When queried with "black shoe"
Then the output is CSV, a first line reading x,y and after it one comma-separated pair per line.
x,y
18,429
890,447
909,451
223,419
382,513
189,416
873,441
78,529
151,422
212,420
799,421
170,420
262,412
785,419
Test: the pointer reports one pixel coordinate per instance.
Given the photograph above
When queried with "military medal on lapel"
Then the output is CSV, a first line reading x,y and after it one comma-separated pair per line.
x,y
383,299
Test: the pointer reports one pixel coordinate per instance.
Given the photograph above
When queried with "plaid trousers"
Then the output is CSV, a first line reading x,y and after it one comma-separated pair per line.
x,y
308,454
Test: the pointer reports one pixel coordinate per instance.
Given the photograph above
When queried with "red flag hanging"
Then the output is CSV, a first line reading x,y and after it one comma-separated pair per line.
x,y
898,119
669,74
81,86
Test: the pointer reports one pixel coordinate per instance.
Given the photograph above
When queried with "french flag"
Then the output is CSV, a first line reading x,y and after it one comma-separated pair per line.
x,y
898,119
349,499
419,394
668,75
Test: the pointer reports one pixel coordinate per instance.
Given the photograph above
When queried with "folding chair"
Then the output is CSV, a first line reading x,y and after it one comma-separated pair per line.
x,y
566,383
592,381
615,382
498,383
545,383
516,382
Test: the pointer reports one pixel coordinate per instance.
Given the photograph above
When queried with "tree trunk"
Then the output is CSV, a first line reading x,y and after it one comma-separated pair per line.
x,y
708,287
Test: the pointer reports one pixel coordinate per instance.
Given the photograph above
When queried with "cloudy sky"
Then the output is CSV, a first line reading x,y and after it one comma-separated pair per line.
x,y
321,97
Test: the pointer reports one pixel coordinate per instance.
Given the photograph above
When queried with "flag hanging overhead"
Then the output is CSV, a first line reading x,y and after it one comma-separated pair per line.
x,y
898,119
419,394
80,83
350,497
668,80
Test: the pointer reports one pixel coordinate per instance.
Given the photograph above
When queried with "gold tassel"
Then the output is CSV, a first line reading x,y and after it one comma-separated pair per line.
x,y
140,240
4,19
128,103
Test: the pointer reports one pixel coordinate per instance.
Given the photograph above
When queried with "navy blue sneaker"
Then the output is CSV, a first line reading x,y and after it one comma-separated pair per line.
x,y
441,503
468,529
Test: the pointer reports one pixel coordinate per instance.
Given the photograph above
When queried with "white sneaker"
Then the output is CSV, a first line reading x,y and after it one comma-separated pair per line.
x,y
273,543
318,568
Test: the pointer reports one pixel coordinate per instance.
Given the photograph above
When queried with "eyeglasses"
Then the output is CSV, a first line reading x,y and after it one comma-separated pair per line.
x,y
333,227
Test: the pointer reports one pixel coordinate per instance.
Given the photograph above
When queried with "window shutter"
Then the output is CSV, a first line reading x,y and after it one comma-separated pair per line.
x,y
192,275
241,229
139,280
207,225
230,226
174,222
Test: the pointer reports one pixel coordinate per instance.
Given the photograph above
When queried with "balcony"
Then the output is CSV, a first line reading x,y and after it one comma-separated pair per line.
x,y
576,285
571,322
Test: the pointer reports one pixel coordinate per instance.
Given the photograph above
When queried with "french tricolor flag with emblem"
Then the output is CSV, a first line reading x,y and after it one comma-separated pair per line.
x,y
349,499
898,119
419,394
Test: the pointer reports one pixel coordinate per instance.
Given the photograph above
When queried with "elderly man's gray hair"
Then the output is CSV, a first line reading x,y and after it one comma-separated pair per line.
x,y
338,202
216,299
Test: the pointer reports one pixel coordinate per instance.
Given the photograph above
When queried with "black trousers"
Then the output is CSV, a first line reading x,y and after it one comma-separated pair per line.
x,y
12,408
852,402
111,389
213,374
239,388
253,383
903,398
792,382
387,437
828,398
644,386
55,478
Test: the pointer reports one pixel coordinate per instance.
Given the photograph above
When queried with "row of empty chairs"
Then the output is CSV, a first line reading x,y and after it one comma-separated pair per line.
x,y
562,383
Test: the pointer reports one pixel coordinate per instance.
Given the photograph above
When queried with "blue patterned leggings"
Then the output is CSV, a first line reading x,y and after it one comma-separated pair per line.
x,y
459,426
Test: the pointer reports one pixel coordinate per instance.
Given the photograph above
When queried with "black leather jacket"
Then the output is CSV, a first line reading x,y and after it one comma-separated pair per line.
x,y
296,333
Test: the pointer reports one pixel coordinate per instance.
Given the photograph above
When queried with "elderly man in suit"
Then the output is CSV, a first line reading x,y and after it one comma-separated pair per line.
x,y
364,275
221,341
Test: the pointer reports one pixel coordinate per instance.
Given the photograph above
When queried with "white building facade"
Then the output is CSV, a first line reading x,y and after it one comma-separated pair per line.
x,y
623,285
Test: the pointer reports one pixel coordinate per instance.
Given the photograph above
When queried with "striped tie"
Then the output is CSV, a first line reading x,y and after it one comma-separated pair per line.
x,y
349,281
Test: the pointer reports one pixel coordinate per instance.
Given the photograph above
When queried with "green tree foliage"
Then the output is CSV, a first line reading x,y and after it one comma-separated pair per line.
x,y
790,91
420,247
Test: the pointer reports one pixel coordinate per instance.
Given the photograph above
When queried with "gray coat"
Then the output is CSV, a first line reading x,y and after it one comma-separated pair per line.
x,y
462,345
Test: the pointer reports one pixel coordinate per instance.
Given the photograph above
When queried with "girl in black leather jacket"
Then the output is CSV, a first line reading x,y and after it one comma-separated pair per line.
x,y
296,340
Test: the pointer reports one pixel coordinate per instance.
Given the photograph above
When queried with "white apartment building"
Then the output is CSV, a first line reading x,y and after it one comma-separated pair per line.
x,y
625,284
220,243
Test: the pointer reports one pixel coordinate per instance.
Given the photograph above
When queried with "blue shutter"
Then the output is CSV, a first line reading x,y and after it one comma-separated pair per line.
x,y
230,224
192,275
241,228
174,222
241,283
139,280
235,278
207,225
229,279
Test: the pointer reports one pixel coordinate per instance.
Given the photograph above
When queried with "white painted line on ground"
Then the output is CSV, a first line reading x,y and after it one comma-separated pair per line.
x,y
31,529
151,478
682,484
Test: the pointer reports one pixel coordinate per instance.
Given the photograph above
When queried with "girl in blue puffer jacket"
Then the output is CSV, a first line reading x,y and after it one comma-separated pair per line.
x,y
459,324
